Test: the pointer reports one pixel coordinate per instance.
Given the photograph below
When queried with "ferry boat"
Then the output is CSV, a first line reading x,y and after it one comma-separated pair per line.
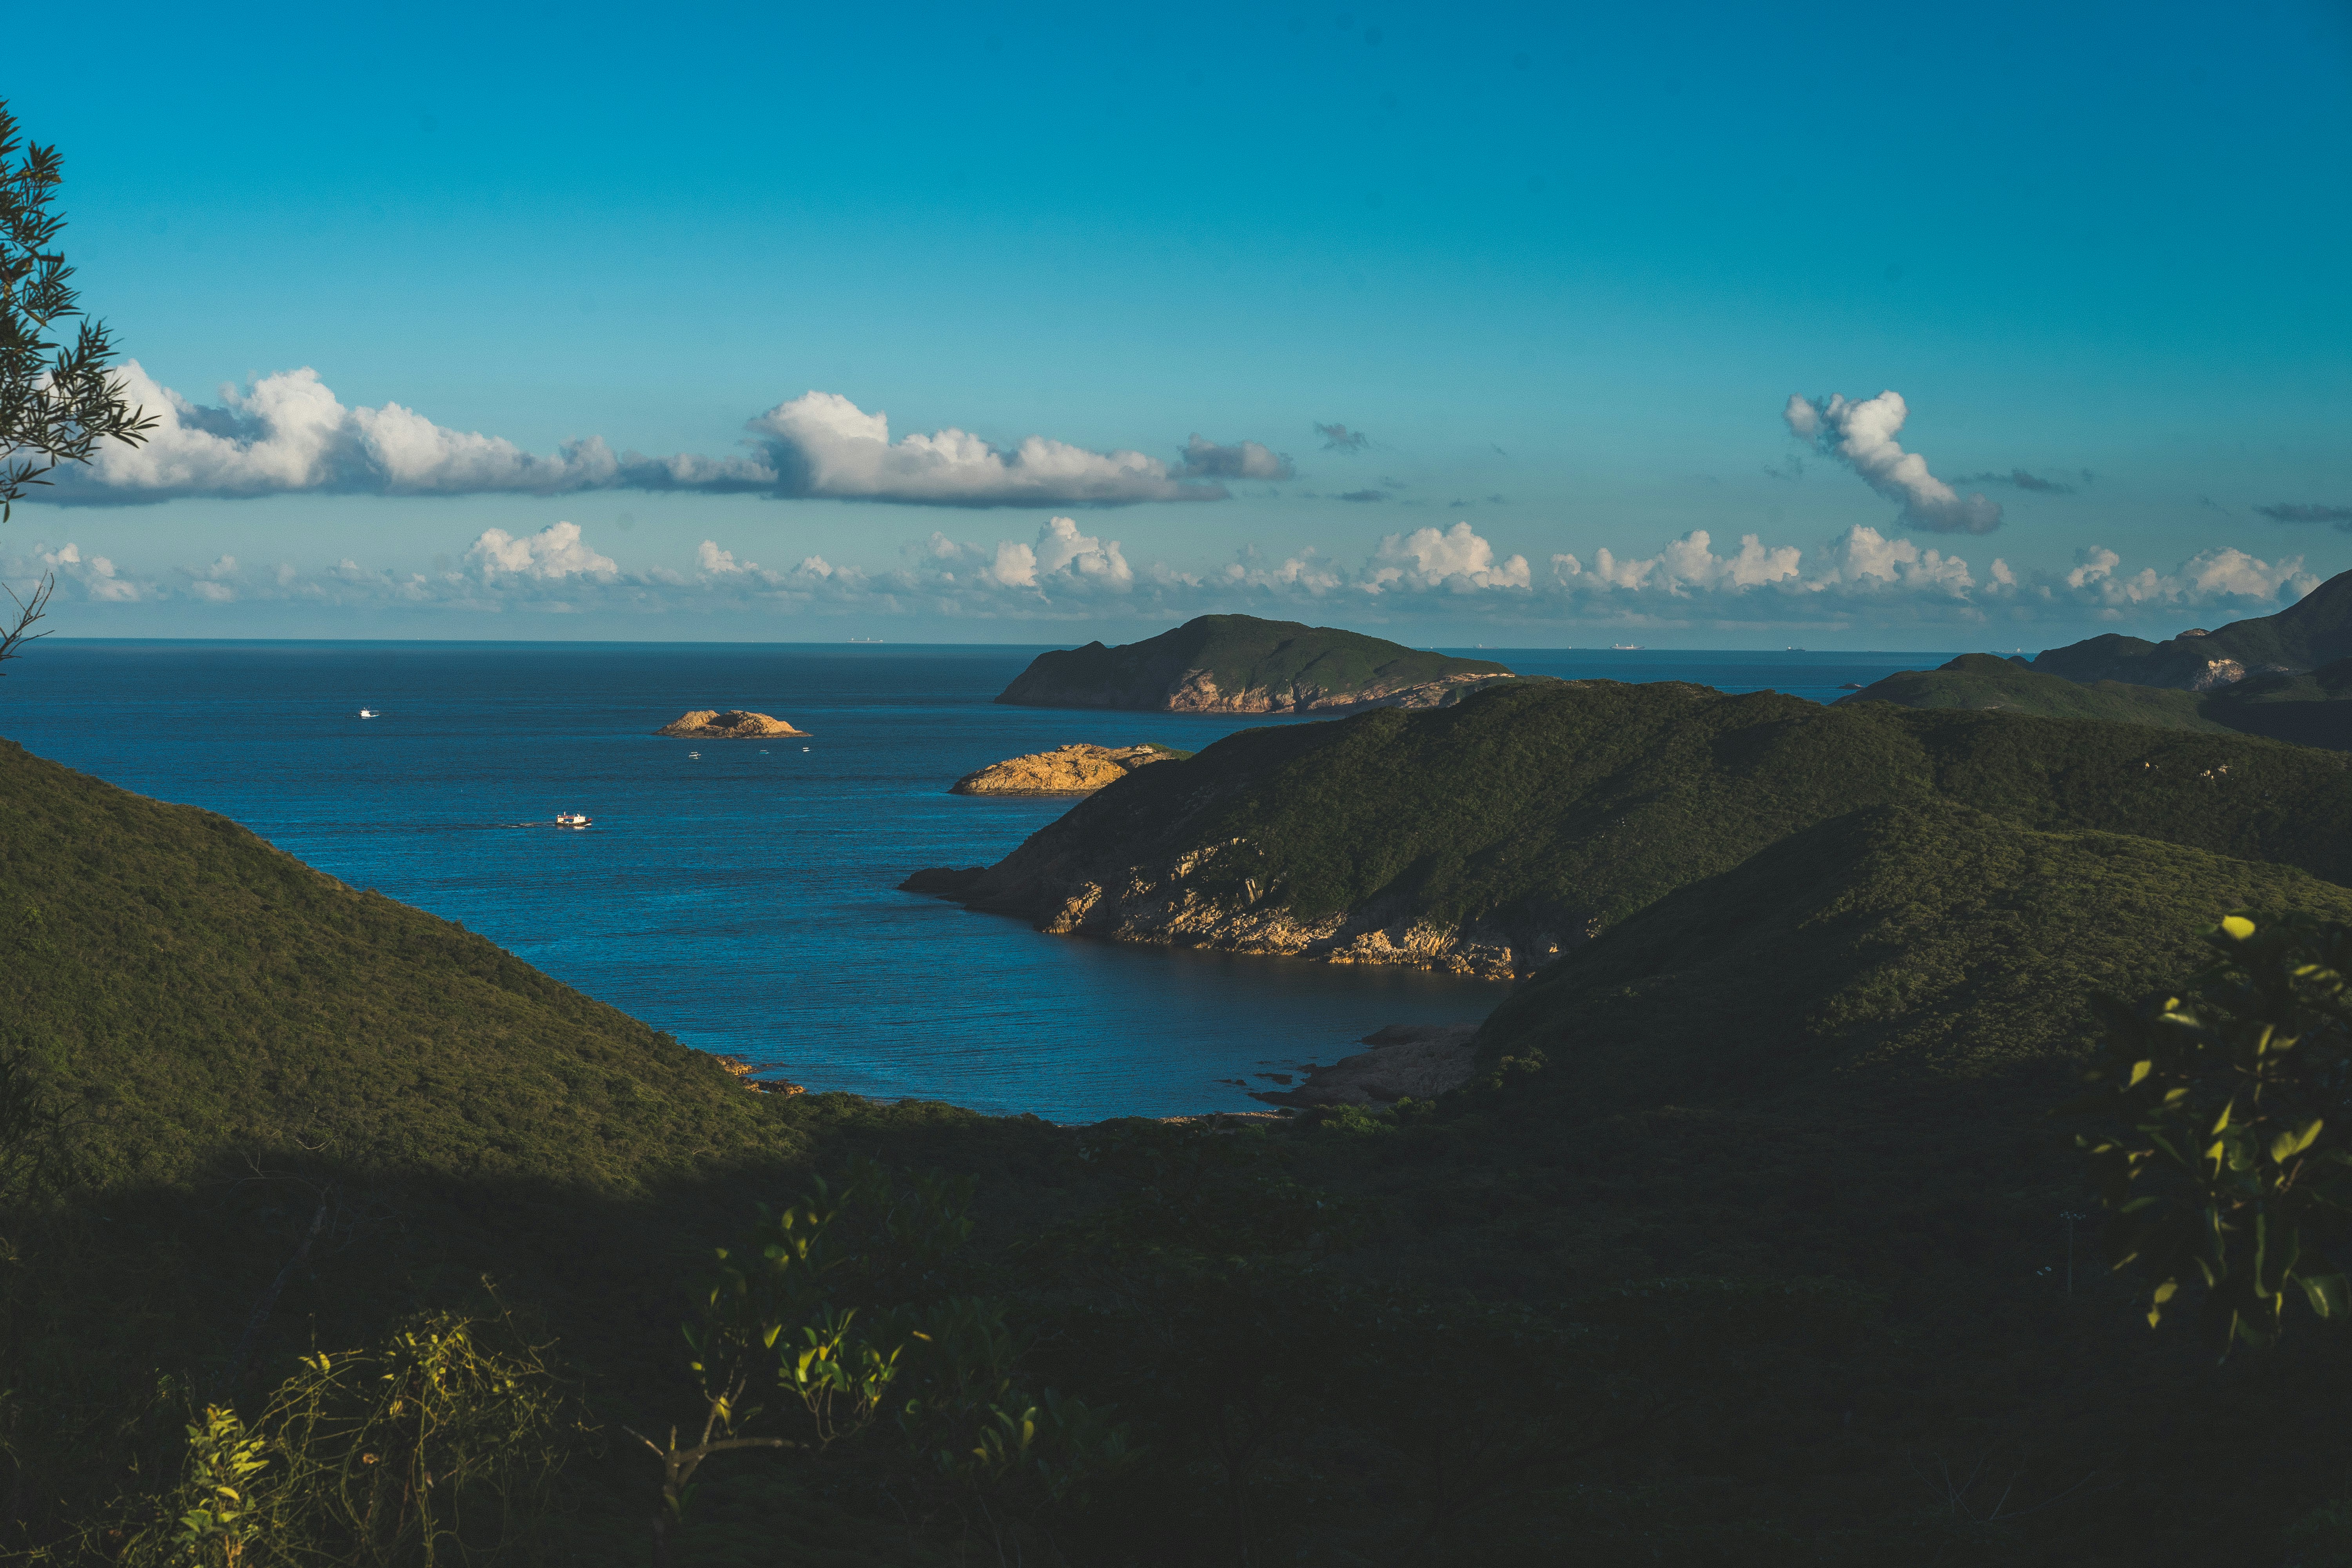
x,y
569,819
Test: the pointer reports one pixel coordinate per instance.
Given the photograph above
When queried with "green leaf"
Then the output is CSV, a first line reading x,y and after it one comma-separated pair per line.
x,y
2327,1293
2139,1071
2237,927
2287,1146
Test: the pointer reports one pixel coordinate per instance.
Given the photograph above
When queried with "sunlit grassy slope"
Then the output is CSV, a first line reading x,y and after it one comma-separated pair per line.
x,y
186,989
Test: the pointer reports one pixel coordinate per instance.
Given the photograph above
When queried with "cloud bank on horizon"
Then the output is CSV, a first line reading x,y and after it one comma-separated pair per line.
x,y
289,433
1861,434
1860,577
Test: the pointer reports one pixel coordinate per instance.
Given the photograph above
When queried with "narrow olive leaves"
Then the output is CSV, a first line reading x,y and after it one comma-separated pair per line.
x,y
2224,1155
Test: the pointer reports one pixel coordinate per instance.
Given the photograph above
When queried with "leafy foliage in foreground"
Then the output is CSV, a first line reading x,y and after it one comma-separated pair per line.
x,y
2229,1106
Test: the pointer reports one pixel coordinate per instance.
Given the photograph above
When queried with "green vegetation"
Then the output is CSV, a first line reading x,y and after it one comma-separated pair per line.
x,y
1239,662
2226,1160
1553,811
2314,631
2280,706
1982,680
1747,1245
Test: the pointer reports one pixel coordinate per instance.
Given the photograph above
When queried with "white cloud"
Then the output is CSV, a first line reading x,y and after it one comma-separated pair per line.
x,y
1862,578
288,432
822,443
1457,560
1862,434
1686,566
553,553
2211,576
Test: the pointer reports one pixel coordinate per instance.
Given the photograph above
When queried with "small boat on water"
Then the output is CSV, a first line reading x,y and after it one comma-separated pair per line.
x,y
569,819
694,756
367,713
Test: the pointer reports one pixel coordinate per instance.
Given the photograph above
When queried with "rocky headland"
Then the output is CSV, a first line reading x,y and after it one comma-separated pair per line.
x,y
733,724
1240,664
1416,1061
1076,769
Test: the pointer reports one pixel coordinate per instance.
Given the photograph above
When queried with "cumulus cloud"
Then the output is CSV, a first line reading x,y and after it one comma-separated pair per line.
x,y
1340,438
1862,578
1457,560
553,553
821,443
289,432
1862,435
2210,576
2288,512
1203,459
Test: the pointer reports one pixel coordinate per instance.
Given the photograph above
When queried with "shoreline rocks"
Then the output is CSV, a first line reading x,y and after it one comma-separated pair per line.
x,y
1076,769
730,724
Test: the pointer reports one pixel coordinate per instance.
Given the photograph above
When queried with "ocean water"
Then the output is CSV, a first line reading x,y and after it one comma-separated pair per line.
x,y
745,900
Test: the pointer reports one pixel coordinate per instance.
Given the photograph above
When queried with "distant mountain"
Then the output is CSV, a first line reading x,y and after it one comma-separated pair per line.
x,y
1989,683
2308,708
1240,664
2315,631
1490,836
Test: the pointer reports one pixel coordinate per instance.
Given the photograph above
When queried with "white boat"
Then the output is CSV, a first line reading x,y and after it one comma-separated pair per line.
x,y
367,713
569,819
694,756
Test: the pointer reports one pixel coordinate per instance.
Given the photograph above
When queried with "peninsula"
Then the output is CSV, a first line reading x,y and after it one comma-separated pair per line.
x,y
1494,836
734,725
1076,769
1240,664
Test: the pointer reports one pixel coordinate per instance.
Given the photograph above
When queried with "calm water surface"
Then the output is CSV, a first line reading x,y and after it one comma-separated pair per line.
x,y
745,900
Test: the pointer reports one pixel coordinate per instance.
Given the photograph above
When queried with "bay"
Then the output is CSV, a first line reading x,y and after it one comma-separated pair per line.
x,y
745,900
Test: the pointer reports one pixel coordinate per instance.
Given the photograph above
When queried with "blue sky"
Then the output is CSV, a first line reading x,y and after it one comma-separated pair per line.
x,y
1560,271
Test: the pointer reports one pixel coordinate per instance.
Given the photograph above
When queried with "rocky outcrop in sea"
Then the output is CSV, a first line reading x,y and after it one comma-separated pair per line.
x,y
733,724
1077,769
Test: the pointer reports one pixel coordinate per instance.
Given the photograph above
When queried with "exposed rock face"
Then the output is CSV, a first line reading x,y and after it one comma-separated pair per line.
x,y
735,724
1195,691
1419,1061
2217,672
1067,770
1180,902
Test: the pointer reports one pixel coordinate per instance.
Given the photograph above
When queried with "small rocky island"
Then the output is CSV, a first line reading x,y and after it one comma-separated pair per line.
x,y
1240,664
734,725
1077,769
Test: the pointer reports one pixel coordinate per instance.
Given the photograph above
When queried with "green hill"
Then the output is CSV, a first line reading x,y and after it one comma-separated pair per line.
x,y
1240,664
2303,708
1491,836
2315,630
1983,682
188,990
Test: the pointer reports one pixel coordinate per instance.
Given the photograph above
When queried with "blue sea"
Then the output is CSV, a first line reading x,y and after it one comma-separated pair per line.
x,y
745,901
